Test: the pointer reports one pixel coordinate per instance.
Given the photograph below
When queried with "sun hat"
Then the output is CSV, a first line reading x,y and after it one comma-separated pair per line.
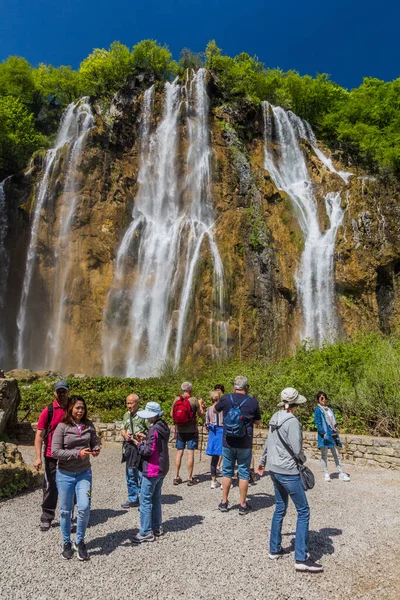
x,y
61,385
290,396
152,409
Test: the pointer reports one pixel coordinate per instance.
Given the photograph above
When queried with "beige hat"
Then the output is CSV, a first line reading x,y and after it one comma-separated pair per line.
x,y
290,396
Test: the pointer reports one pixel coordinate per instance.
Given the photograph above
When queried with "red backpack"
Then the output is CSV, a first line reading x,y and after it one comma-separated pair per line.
x,y
182,411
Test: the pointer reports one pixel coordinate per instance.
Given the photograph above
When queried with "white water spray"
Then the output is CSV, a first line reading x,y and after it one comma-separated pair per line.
x,y
4,267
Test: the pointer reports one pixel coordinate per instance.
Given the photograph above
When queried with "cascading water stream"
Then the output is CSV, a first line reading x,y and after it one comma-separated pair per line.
x,y
150,302
288,169
68,131
4,267
84,122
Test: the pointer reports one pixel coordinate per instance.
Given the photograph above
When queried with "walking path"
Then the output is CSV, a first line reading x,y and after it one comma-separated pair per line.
x,y
205,554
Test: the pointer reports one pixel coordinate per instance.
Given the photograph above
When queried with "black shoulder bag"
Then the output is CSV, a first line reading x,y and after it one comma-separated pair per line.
x,y
306,475
130,453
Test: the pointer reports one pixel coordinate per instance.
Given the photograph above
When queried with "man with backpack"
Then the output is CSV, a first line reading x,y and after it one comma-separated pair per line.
x,y
185,410
49,418
241,412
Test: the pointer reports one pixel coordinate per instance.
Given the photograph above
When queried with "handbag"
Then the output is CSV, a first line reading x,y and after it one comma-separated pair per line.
x,y
306,475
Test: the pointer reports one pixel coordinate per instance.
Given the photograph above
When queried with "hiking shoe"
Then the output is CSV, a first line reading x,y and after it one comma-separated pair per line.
x,y
158,531
81,551
223,506
45,525
214,485
139,539
344,476
244,510
327,477
276,555
177,481
129,504
308,566
67,552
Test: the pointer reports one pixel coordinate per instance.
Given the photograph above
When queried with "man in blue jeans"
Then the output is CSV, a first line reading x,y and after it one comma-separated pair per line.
x,y
238,449
285,434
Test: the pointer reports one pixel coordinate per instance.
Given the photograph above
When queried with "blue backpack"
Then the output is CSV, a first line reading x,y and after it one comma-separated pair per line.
x,y
234,423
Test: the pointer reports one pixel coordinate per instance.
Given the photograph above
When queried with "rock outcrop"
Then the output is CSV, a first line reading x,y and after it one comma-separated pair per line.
x,y
9,402
15,475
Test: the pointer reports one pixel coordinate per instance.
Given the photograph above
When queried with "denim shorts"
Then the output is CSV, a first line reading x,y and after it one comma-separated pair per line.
x,y
243,458
191,439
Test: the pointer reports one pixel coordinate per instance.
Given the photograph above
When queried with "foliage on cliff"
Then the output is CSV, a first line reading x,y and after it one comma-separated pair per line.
x,y
361,378
363,123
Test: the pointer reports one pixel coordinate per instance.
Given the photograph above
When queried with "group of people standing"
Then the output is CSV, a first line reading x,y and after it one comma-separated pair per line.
x,y
69,439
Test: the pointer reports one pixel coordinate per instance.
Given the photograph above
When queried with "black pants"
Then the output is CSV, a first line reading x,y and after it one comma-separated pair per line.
x,y
214,463
50,492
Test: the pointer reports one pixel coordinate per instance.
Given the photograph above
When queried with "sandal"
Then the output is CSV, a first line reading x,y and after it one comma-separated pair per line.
x,y
193,481
177,481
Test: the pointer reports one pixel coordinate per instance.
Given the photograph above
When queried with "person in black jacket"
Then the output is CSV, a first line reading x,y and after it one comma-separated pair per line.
x,y
155,466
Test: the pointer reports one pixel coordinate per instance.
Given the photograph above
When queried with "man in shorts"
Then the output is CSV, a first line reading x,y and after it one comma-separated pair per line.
x,y
238,449
187,435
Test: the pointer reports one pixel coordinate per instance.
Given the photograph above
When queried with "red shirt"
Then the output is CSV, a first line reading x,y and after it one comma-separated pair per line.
x,y
58,415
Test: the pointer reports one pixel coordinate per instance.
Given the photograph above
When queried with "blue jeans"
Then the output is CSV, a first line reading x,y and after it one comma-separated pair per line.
x,y
150,504
133,481
243,458
285,486
68,484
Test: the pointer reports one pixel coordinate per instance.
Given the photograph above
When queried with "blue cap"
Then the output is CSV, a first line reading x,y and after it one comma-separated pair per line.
x,y
61,385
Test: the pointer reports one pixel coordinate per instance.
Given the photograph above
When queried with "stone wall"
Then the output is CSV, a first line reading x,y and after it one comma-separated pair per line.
x,y
357,449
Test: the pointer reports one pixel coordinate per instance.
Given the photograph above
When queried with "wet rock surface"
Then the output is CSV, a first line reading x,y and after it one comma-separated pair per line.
x,y
206,554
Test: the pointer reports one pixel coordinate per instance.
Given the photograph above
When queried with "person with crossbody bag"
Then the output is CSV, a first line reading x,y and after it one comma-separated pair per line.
x,y
284,456
133,428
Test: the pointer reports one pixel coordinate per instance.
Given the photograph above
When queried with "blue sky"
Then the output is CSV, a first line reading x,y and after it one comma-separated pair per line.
x,y
347,39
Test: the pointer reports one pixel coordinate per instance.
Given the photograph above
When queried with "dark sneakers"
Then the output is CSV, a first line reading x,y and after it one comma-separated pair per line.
x,y
67,552
308,566
276,555
140,539
45,525
223,506
244,510
129,504
81,551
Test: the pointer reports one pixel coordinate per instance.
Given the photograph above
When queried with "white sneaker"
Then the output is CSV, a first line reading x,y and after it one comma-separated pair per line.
x,y
214,485
327,477
344,476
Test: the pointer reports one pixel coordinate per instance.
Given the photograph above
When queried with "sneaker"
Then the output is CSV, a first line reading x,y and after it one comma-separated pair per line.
x,y
45,525
244,510
214,485
158,531
139,539
276,555
344,476
223,506
67,552
327,478
308,566
81,550
129,504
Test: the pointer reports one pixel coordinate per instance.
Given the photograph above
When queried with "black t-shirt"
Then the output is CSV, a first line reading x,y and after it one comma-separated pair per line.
x,y
251,413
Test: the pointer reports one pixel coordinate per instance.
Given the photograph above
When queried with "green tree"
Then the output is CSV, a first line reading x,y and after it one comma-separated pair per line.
x,y
56,85
18,136
104,72
16,79
148,55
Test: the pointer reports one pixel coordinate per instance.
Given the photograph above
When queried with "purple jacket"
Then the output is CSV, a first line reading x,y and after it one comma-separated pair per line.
x,y
154,450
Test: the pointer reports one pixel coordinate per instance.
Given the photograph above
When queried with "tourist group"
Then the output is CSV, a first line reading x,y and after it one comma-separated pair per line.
x,y
68,440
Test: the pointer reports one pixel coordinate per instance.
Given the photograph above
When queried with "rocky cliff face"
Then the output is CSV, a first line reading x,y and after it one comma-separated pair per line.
x,y
256,230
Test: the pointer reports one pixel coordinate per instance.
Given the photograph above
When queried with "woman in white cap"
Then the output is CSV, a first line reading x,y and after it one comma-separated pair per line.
x,y
285,432
155,466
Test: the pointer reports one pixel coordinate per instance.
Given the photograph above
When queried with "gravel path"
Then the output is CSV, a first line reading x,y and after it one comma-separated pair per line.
x,y
205,554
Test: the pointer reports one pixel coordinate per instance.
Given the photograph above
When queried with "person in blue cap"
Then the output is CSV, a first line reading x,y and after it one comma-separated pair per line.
x,y
155,466
49,418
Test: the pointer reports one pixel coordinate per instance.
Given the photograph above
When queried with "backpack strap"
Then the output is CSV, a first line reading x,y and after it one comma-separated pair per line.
x,y
49,429
241,404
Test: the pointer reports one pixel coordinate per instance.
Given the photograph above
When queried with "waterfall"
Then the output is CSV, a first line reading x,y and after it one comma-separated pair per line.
x,y
4,267
288,169
84,122
152,292
68,134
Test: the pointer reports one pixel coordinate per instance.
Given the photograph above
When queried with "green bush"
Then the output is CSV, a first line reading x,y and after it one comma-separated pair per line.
x,y
361,378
